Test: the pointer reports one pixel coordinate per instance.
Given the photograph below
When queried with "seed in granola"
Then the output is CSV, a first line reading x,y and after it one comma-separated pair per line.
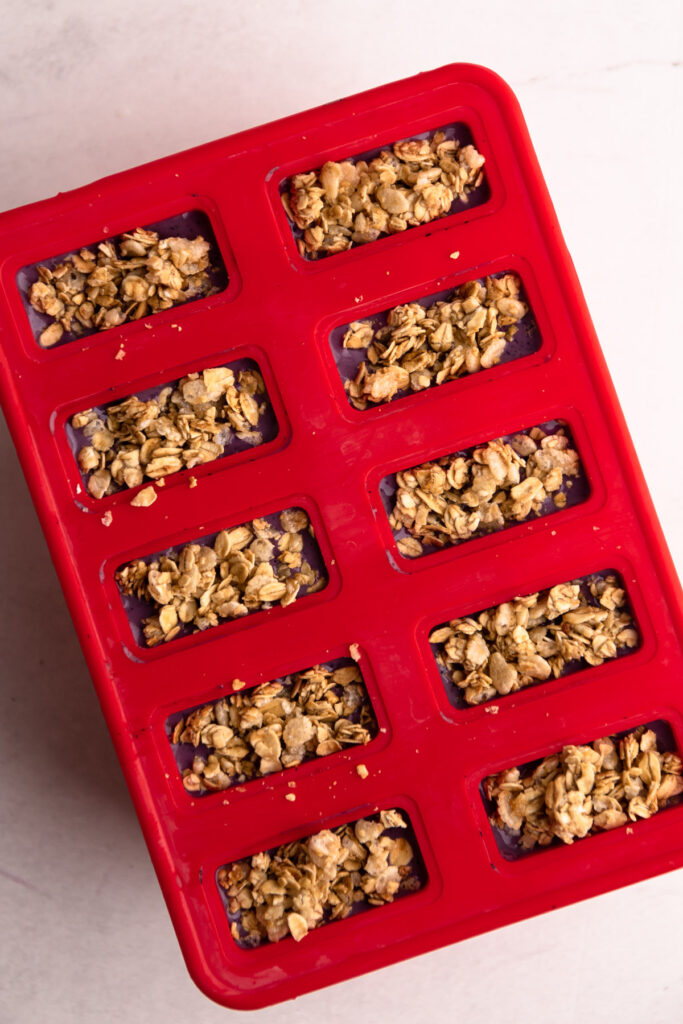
x,y
136,276
314,881
420,347
481,490
357,201
585,789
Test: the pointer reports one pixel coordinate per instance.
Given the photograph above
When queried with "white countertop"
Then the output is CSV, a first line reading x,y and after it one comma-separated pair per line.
x,y
87,89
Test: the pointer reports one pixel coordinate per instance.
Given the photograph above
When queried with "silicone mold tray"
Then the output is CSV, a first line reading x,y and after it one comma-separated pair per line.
x,y
281,310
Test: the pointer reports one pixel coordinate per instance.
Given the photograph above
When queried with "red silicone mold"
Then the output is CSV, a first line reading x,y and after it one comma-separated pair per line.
x,y
280,310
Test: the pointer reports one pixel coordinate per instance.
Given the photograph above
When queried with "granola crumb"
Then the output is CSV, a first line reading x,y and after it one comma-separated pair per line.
x,y
354,651
362,771
144,498
192,482
454,255
492,709
121,354
238,684
291,797
107,519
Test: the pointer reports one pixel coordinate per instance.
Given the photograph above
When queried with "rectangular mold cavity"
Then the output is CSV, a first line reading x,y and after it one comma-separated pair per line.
x,y
550,628
408,874
144,611
507,840
524,341
264,431
191,224
572,490
295,704
456,132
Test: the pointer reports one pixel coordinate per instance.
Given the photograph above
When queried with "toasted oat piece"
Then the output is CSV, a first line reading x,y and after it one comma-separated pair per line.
x,y
355,201
526,640
313,881
584,789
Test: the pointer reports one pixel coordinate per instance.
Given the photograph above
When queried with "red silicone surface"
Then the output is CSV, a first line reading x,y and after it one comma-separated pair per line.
x,y
279,310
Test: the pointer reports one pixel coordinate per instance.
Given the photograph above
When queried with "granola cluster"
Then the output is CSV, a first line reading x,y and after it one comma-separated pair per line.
x,y
524,641
354,202
275,726
96,290
482,490
313,881
419,347
185,425
582,789
248,568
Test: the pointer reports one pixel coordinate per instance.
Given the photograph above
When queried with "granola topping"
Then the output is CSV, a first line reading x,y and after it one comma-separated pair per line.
x,y
356,201
472,493
585,789
529,639
246,569
100,288
275,726
311,882
185,425
420,347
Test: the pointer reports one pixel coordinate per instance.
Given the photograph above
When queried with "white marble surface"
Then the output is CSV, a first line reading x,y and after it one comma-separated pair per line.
x,y
89,88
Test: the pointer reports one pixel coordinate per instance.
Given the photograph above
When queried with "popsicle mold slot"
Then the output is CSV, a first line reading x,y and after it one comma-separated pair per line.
x,y
612,782
272,727
268,561
206,415
484,489
522,642
321,878
113,281
432,340
384,191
